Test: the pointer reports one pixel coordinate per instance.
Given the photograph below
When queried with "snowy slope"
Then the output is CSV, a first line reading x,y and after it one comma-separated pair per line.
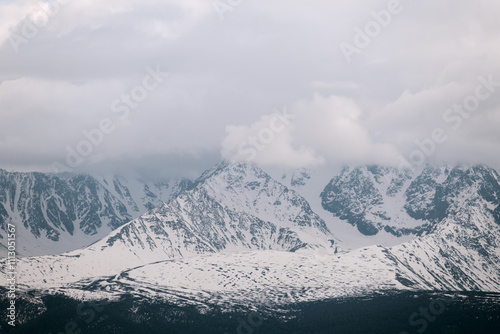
x,y
461,254
252,278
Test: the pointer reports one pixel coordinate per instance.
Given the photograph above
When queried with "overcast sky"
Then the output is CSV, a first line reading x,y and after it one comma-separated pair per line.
x,y
178,85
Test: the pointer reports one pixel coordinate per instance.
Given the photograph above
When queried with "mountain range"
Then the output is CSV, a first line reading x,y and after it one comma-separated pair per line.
x,y
239,236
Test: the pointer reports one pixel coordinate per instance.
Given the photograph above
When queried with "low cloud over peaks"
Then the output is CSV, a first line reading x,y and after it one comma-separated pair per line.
x,y
315,131
63,64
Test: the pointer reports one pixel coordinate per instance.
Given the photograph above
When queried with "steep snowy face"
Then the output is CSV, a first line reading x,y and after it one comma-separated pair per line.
x,y
233,207
405,202
246,187
462,252
195,223
56,213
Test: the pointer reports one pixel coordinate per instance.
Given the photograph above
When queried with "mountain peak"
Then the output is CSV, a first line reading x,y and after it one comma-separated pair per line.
x,y
231,171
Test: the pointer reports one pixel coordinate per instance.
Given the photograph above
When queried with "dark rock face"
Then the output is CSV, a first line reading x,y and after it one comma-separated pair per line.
x,y
362,195
49,205
53,206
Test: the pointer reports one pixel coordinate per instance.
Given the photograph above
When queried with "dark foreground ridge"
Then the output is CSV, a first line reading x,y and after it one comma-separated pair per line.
x,y
398,313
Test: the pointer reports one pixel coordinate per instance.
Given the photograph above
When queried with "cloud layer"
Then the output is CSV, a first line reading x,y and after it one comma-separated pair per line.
x,y
64,63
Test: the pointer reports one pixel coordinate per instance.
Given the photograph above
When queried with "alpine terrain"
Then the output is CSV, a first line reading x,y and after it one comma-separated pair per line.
x,y
238,239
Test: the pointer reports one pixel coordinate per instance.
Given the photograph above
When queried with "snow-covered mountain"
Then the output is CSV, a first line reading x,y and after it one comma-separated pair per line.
x,y
460,253
233,207
450,259
403,202
55,213
246,187
310,183
237,235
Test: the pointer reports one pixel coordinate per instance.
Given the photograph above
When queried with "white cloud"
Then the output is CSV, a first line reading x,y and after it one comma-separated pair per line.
x,y
268,141
322,129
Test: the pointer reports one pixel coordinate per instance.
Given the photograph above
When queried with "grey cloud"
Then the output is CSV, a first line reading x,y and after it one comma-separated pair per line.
x,y
233,72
